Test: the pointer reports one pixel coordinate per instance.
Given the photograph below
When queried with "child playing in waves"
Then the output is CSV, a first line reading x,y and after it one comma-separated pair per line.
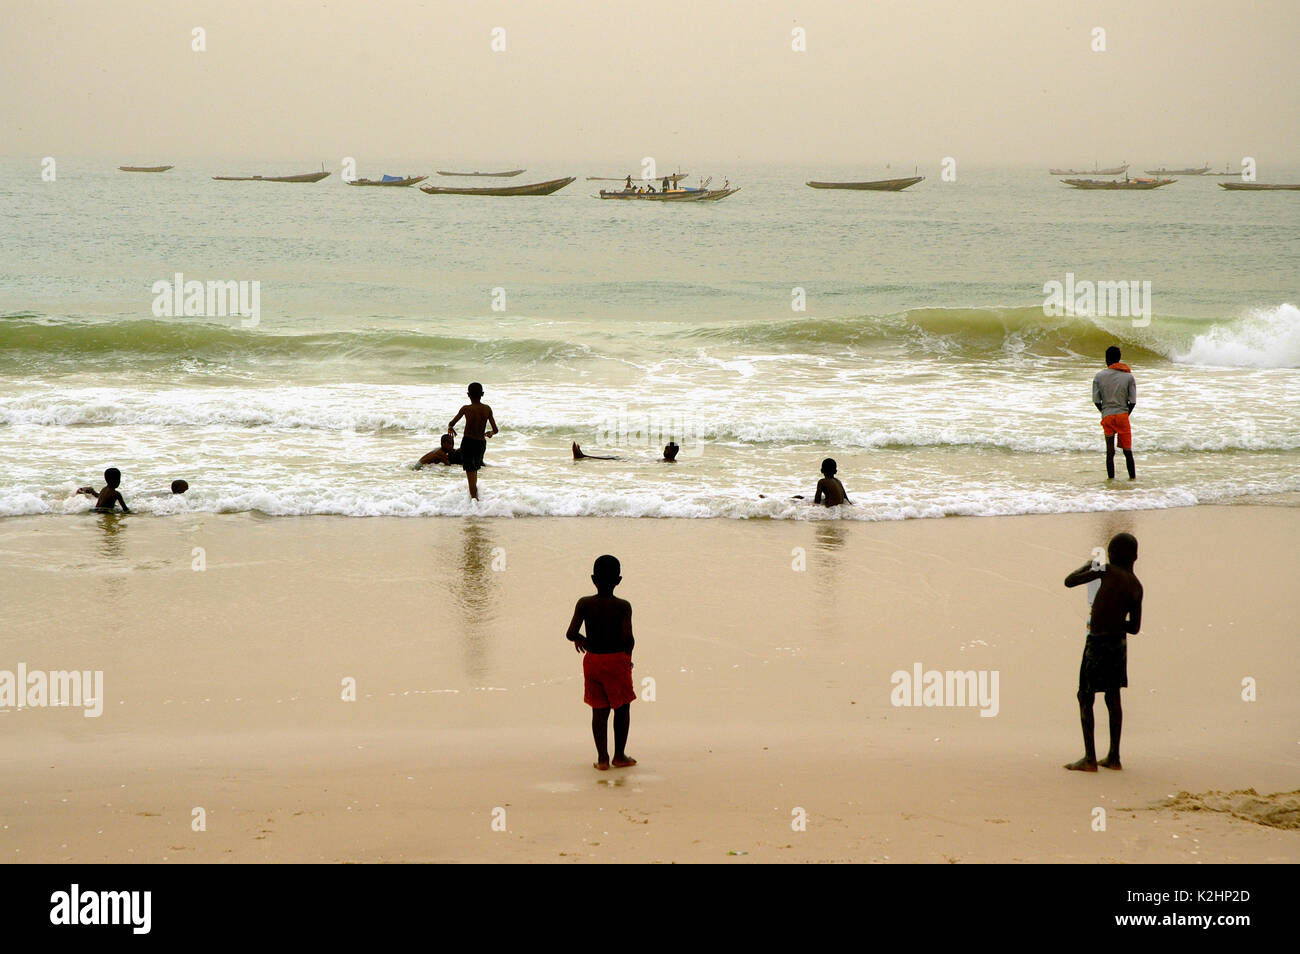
x,y
607,663
1116,614
108,498
474,443
829,489
445,454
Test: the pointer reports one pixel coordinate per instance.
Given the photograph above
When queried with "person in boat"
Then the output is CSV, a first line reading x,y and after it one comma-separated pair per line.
x,y
1114,392
665,183
627,186
651,189
109,497
445,454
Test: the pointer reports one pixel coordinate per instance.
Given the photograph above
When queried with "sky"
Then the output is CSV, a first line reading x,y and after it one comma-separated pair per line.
x,y
903,81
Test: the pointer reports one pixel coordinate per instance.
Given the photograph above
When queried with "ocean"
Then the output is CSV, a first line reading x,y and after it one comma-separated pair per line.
x,y
902,334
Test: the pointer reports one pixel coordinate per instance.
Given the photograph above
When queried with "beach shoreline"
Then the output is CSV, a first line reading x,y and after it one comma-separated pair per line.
x,y
226,642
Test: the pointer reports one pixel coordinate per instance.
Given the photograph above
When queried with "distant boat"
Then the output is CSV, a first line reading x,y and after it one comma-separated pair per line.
x,y
1226,172
675,178
1259,187
876,185
1112,171
145,168
537,188
491,175
397,181
305,177
1180,172
1138,183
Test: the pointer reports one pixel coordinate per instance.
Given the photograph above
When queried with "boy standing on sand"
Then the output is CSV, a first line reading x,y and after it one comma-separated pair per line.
x,y
474,443
1116,613
1114,392
607,663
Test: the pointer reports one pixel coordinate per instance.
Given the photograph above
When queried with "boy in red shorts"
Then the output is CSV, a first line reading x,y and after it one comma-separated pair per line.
x,y
1114,392
607,663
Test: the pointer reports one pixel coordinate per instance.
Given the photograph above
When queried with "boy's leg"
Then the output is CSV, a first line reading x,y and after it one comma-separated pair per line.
x,y
1089,761
1128,461
622,722
1111,760
472,477
600,732
1110,456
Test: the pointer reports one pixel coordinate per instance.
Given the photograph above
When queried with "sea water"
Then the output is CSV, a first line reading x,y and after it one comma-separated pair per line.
x,y
902,334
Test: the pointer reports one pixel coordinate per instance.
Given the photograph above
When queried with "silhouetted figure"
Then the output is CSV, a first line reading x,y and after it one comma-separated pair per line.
x,y
607,663
445,454
829,489
179,486
474,443
1114,392
579,455
108,498
1116,614
670,452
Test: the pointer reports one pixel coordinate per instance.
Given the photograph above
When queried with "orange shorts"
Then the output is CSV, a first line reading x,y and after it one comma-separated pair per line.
x,y
607,680
1117,424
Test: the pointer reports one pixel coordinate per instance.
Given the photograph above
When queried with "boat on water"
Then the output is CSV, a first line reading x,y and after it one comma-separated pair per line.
x,y
1126,183
397,181
1112,171
1202,170
305,177
1227,171
674,178
674,193
509,173
1260,186
536,188
145,168
875,185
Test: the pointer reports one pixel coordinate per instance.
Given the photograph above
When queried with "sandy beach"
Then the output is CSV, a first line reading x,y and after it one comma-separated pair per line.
x,y
226,641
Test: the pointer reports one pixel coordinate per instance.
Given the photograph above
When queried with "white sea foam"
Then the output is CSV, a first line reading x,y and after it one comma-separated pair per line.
x,y
1264,338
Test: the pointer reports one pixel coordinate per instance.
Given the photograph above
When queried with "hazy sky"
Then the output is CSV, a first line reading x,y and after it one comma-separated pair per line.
x,y
881,80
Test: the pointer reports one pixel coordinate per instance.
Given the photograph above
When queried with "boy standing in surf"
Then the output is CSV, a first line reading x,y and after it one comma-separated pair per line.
x,y
1116,614
1114,392
474,443
109,497
607,661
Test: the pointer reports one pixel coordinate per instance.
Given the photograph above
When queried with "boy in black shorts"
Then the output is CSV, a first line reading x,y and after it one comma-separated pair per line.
x,y
474,443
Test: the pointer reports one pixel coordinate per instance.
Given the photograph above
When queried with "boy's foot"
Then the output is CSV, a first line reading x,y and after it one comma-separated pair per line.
x,y
1083,765
623,761
1110,763
600,766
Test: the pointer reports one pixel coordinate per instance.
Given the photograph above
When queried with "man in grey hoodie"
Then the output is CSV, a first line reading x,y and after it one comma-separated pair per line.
x,y
1115,393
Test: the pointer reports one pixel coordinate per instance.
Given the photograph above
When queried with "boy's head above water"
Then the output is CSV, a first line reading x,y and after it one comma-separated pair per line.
x,y
605,573
1123,550
112,476
179,486
828,467
475,391
670,451
448,442
1112,355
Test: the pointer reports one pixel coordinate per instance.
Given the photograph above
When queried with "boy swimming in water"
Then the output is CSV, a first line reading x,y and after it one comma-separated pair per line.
x,y
1116,614
474,443
829,489
445,454
607,663
108,498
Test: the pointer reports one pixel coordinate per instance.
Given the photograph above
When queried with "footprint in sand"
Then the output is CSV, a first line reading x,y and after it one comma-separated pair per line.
x,y
1278,810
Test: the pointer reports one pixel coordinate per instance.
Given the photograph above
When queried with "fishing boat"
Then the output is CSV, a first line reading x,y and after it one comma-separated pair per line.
x,y
145,168
675,178
1260,186
1112,171
537,188
1180,172
1227,171
672,195
1137,183
875,185
397,181
487,175
305,177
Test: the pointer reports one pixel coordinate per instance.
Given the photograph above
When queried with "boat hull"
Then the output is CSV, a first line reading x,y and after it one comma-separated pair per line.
x,y
483,175
1112,171
145,168
1260,186
877,185
305,177
1178,172
1138,185
396,183
695,196
536,188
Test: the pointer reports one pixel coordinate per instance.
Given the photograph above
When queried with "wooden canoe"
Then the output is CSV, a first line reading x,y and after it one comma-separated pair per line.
x,y
876,185
1112,171
675,178
145,168
399,183
488,175
537,188
1179,172
682,195
1139,184
305,177
1260,186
